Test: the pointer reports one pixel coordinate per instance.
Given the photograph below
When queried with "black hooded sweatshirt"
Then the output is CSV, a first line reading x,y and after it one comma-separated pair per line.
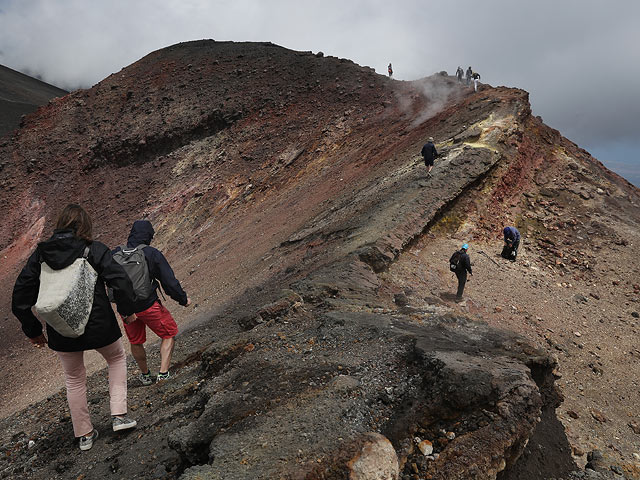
x,y
464,265
159,269
60,251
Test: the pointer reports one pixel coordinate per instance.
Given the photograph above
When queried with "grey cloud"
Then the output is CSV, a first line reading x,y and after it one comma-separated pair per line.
x,y
577,58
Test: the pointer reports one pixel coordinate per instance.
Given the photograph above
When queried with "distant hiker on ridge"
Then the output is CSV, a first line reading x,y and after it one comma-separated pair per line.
x,y
460,264
468,75
476,78
149,311
459,74
511,243
67,276
429,153
390,70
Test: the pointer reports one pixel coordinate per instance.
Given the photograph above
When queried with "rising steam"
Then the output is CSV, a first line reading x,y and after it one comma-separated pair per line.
x,y
437,91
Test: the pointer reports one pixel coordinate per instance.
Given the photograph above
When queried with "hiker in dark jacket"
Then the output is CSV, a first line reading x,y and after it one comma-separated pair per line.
x,y
72,235
464,266
511,243
429,153
469,75
459,74
149,312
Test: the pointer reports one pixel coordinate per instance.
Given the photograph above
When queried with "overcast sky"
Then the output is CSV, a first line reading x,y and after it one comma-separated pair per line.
x,y
579,59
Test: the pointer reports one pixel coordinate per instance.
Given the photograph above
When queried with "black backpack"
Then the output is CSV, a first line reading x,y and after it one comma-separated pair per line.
x,y
135,264
508,252
454,261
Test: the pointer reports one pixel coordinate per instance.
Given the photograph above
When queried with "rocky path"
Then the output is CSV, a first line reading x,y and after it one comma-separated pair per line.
x,y
590,326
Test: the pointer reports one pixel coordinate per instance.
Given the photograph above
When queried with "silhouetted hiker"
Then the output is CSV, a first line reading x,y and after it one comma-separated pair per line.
x,y
429,153
459,74
149,311
86,266
476,78
511,243
468,75
390,70
460,264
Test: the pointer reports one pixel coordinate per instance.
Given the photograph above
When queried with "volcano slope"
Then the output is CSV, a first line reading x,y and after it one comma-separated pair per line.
x,y
286,191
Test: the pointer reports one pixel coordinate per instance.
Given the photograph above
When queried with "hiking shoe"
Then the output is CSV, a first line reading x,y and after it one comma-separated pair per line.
x,y
163,376
145,378
123,423
86,441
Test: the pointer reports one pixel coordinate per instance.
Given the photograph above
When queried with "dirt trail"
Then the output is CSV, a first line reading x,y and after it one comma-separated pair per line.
x,y
590,325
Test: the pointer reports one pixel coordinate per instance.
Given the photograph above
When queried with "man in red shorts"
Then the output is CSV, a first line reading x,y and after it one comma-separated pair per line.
x,y
149,310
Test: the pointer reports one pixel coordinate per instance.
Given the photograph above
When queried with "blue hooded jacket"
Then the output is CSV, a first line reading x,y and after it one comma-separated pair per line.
x,y
511,233
159,269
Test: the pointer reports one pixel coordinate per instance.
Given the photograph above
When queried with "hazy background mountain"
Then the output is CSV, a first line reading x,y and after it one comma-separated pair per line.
x,y
21,94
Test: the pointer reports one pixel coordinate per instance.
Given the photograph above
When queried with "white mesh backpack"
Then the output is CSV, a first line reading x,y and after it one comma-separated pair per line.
x,y
65,297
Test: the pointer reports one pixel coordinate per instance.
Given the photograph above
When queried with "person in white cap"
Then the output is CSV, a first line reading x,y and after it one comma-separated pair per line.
x,y
429,153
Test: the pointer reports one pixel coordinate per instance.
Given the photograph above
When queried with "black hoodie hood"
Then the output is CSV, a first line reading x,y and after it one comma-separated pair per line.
x,y
62,249
141,233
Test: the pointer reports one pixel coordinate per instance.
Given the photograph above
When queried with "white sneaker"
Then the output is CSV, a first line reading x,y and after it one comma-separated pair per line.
x,y
145,378
123,423
86,441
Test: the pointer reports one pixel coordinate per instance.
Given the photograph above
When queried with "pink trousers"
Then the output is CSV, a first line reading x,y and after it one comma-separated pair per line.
x,y
76,380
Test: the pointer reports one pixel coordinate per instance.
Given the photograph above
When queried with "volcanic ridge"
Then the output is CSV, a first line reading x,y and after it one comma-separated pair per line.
x,y
287,192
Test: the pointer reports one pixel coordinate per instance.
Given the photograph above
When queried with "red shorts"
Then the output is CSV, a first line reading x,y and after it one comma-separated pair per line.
x,y
157,318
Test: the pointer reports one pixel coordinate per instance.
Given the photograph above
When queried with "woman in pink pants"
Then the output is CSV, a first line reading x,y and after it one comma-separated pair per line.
x,y
71,240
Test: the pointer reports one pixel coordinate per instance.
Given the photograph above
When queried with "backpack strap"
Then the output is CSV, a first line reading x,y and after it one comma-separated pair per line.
x,y
160,289
154,281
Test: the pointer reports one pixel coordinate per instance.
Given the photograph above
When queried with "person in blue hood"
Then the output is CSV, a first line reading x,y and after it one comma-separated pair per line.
x,y
511,243
149,311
